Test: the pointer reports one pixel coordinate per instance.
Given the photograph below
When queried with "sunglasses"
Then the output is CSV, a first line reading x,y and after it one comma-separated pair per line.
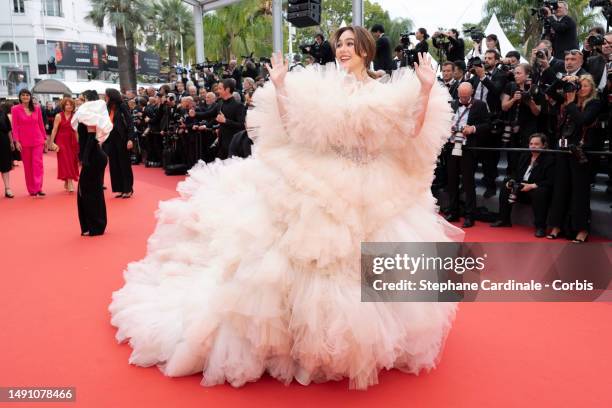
x,y
573,52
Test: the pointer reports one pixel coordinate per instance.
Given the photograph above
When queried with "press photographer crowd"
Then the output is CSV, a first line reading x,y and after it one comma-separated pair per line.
x,y
557,106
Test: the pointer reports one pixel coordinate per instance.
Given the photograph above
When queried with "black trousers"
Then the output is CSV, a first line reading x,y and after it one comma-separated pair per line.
x,y
154,147
489,160
120,165
463,166
90,197
539,199
571,202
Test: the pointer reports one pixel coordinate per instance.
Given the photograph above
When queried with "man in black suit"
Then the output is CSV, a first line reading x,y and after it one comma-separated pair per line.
x,y
546,68
535,173
564,33
472,121
321,50
573,63
383,60
231,117
488,83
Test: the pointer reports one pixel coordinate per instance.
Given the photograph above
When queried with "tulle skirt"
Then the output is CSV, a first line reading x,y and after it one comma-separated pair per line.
x,y
253,270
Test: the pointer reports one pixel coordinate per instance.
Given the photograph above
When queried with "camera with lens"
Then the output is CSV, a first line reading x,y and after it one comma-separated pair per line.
x,y
409,57
596,40
510,129
473,63
458,140
553,5
571,86
475,33
440,40
515,188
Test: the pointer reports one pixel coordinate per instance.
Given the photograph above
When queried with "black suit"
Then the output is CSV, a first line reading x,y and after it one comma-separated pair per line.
x,y
234,113
323,53
548,76
495,83
383,59
542,175
572,187
465,165
119,160
565,35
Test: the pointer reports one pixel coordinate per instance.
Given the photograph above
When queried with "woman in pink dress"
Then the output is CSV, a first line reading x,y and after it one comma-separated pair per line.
x,y
64,141
29,136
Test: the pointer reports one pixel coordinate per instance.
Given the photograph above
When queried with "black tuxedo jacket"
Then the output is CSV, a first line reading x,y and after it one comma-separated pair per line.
x,y
234,113
542,174
383,59
495,86
479,117
566,35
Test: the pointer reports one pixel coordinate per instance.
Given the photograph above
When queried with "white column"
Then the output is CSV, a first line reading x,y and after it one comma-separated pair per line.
x,y
198,27
277,25
358,12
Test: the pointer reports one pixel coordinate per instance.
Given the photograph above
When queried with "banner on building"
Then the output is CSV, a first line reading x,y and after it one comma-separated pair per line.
x,y
86,56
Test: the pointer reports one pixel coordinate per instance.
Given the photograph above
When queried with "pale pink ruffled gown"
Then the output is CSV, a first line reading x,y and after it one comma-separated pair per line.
x,y
255,268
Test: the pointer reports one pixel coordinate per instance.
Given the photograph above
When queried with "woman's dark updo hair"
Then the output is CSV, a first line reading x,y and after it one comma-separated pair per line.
x,y
424,32
27,92
114,98
90,95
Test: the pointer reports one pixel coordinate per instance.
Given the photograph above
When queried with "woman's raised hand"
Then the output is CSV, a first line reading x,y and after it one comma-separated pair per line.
x,y
424,71
278,70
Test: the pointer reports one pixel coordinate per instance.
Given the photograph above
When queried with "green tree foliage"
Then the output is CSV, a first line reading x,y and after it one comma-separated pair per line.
x,y
168,20
125,17
524,30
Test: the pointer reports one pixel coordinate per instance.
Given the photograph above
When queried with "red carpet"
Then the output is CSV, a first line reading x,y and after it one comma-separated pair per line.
x,y
56,287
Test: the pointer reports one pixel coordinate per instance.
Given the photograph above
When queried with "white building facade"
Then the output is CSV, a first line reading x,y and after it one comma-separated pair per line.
x,y
34,33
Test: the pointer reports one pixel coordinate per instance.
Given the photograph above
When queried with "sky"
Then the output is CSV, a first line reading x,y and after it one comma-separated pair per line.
x,y
432,14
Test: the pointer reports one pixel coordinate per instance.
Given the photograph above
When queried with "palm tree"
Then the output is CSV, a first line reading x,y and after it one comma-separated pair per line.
x,y
239,29
523,28
124,16
169,20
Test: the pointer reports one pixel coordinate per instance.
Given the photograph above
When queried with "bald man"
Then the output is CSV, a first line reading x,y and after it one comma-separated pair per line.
x,y
471,122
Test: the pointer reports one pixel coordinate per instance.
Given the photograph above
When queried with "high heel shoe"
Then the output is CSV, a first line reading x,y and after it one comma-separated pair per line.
x,y
8,194
128,195
580,241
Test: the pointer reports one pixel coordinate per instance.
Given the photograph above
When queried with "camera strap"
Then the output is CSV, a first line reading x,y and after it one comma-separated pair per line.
x,y
465,111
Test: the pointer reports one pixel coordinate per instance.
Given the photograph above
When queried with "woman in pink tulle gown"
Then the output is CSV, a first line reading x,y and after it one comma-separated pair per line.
x,y
255,268
64,140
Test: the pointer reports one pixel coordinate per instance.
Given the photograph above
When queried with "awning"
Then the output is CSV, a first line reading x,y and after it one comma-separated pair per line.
x,y
51,86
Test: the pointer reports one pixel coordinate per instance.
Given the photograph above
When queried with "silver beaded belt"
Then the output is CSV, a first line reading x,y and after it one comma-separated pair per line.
x,y
357,155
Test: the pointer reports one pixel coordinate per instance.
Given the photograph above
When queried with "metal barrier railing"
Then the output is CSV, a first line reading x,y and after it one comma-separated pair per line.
x,y
525,149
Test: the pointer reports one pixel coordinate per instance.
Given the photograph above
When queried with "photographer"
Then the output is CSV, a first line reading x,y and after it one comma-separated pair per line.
x,y
448,69
470,124
530,183
572,186
489,82
151,135
593,42
383,60
522,104
599,49
231,117
422,45
234,72
513,58
565,34
450,43
545,65
321,50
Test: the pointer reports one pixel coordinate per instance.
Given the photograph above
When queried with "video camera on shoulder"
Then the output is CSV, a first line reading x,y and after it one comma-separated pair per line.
x,y
553,5
475,33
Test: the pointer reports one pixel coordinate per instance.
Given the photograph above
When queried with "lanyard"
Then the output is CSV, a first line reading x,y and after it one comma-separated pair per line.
x,y
467,109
